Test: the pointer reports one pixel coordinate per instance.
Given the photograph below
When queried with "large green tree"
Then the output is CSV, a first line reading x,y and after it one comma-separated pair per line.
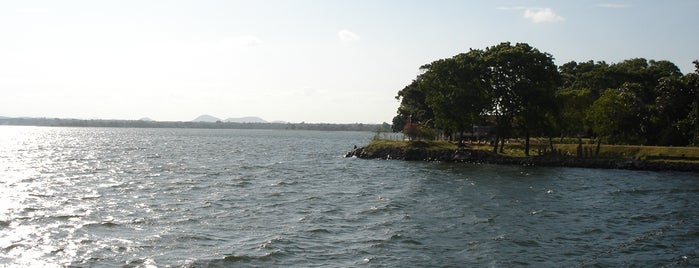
x,y
655,85
456,91
668,112
690,124
583,83
615,115
573,104
587,75
519,92
523,81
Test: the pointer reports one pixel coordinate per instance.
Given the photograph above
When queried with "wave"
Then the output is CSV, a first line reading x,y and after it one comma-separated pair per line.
x,y
67,217
284,183
684,191
380,209
319,231
242,260
404,240
194,237
266,257
637,191
108,224
526,243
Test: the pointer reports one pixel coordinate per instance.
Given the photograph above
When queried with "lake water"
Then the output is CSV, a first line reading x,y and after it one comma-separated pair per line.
x,y
86,197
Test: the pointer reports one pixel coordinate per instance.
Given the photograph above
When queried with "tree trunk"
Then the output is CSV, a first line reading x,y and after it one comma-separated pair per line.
x,y
495,144
502,145
553,151
599,143
579,153
526,143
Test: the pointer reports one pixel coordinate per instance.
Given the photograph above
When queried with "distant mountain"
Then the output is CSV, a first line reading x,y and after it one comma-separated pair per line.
x,y
146,119
206,118
247,119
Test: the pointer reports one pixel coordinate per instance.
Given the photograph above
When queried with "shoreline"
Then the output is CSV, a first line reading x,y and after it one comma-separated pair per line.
x,y
486,157
117,123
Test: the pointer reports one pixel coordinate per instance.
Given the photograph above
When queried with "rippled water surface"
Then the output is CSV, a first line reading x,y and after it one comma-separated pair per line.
x,y
87,197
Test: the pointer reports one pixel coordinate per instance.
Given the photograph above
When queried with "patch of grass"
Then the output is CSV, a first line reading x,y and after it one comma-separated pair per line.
x,y
654,153
381,145
511,149
377,145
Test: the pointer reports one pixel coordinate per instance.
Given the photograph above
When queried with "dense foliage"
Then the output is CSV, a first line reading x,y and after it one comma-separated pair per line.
x,y
518,91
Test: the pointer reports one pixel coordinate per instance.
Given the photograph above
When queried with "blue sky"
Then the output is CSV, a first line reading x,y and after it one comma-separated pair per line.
x,y
312,61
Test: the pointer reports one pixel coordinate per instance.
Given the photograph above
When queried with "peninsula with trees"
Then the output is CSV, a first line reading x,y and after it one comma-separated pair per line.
x,y
510,103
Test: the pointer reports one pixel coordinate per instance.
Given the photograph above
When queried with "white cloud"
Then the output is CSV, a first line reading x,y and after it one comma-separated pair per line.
x,y
614,5
539,15
346,35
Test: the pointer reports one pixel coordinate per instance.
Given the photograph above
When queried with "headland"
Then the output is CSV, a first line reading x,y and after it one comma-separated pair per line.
x,y
564,155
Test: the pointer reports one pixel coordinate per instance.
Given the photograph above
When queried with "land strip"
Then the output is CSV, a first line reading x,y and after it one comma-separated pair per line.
x,y
565,155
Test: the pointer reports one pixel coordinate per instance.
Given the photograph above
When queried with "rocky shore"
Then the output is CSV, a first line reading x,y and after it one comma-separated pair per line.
x,y
486,157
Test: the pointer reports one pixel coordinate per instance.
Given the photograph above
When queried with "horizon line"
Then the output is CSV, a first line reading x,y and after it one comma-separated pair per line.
x,y
143,119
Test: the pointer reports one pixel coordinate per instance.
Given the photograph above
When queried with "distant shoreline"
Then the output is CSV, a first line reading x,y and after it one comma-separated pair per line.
x,y
58,122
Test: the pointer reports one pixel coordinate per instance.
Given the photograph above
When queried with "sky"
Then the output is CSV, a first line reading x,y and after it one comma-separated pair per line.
x,y
323,61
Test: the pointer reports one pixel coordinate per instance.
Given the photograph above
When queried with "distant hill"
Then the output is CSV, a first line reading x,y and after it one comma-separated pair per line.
x,y
146,119
206,118
247,119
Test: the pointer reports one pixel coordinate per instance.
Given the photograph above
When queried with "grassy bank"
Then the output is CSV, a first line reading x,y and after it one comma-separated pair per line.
x,y
611,156
648,153
516,149
383,145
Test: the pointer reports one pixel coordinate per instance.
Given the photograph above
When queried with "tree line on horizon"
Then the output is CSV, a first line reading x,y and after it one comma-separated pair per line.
x,y
58,122
518,91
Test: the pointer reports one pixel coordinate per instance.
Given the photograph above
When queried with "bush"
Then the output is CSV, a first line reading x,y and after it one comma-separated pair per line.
x,y
418,132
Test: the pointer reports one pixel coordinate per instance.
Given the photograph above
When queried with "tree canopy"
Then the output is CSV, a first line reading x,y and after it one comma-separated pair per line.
x,y
518,91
